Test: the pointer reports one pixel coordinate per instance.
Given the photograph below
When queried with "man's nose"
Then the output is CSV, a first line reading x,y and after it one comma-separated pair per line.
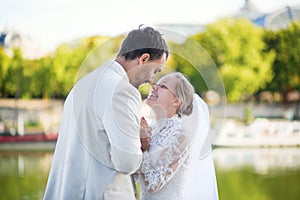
x,y
154,87
150,80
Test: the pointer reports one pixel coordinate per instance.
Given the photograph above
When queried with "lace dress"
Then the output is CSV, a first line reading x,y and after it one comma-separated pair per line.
x,y
164,167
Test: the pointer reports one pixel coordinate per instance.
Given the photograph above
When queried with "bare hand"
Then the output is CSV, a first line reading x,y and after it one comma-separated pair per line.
x,y
145,134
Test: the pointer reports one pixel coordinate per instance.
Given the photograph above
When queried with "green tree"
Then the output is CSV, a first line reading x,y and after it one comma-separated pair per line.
x,y
4,64
13,79
286,44
67,61
41,77
24,74
104,49
193,60
54,75
180,60
237,48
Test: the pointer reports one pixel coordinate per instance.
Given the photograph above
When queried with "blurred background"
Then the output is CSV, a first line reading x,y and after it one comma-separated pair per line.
x,y
253,95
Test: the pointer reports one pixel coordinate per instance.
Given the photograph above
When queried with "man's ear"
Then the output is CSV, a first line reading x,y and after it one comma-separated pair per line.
x,y
144,58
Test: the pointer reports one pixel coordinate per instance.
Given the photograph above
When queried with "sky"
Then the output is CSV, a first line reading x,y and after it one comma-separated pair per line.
x,y
51,22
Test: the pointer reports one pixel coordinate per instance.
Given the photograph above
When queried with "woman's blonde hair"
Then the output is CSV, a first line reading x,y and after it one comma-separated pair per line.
x,y
184,91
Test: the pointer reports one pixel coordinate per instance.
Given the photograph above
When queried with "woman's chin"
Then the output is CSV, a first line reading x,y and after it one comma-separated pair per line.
x,y
150,101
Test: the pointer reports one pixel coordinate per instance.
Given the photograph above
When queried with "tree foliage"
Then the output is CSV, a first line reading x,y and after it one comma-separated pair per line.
x,y
51,76
4,65
247,58
14,80
192,60
286,67
236,46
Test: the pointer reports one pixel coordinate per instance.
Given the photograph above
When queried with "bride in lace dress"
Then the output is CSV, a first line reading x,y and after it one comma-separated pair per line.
x,y
172,156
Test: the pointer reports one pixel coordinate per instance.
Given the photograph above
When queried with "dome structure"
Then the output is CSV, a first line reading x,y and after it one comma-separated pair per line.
x,y
249,11
9,39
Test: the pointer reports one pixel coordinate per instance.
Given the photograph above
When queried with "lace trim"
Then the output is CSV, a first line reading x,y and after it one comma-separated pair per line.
x,y
167,134
164,129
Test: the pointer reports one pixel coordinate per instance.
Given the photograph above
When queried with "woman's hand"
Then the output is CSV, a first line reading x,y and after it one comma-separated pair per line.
x,y
145,134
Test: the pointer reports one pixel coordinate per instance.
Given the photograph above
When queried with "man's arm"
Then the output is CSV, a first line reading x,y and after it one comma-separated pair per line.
x,y
121,121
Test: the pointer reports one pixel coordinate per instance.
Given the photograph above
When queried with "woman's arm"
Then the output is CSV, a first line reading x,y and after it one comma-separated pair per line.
x,y
171,157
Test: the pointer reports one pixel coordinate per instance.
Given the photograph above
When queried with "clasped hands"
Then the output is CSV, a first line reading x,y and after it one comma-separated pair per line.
x,y
145,134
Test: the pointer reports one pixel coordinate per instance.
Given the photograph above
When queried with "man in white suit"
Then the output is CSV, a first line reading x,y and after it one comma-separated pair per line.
x,y
99,141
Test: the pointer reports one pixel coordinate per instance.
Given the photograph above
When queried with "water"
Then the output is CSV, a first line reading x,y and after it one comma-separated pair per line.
x,y
258,174
242,174
23,175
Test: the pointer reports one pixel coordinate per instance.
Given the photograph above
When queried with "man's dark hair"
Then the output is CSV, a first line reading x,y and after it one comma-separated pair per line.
x,y
143,40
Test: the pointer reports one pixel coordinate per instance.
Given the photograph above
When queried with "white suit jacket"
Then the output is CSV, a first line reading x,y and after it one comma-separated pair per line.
x,y
98,145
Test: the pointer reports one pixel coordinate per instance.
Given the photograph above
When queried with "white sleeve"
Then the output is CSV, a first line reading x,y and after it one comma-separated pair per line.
x,y
121,121
171,157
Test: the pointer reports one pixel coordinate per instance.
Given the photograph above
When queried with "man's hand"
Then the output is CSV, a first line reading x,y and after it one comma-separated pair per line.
x,y
145,134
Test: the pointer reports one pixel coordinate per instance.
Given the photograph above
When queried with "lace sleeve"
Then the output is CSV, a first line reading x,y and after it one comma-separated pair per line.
x,y
170,158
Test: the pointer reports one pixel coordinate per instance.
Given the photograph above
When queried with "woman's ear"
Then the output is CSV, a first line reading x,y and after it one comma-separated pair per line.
x,y
144,58
176,102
